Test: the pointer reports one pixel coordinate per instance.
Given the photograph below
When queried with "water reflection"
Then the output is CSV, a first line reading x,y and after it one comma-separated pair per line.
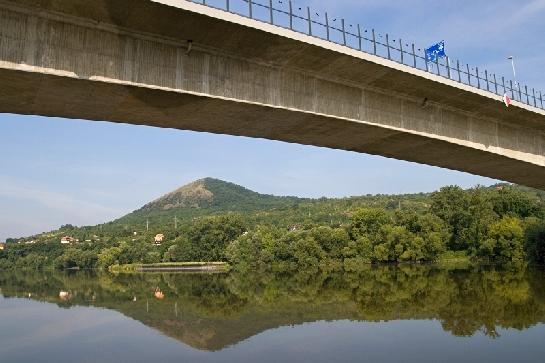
x,y
212,311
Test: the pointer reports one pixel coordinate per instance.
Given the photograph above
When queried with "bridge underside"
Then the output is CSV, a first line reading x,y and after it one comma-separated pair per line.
x,y
80,61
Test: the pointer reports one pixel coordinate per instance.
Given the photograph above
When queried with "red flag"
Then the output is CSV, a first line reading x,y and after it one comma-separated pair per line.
x,y
506,100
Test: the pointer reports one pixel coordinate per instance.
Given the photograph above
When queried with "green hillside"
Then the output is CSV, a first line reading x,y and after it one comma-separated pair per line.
x,y
212,196
174,212
213,220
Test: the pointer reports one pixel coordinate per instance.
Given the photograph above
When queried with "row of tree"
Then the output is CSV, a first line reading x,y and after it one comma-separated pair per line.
x,y
503,225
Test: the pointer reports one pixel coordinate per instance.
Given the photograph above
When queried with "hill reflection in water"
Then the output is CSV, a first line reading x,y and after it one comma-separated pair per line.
x,y
214,311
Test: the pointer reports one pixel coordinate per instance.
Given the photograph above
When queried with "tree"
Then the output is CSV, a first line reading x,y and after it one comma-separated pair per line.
x,y
451,204
254,249
505,242
480,216
397,244
509,201
331,240
109,256
210,237
76,258
535,242
307,252
368,221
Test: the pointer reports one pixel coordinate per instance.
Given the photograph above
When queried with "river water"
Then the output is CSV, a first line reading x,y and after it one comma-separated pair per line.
x,y
382,314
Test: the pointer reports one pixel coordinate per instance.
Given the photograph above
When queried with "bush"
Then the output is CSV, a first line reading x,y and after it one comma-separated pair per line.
x,y
535,242
504,242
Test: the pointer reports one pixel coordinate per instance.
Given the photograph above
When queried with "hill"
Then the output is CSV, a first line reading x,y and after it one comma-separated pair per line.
x,y
203,197
177,210
209,196
213,193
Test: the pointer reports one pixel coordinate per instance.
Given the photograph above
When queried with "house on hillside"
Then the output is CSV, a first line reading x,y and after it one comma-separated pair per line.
x,y
294,228
66,240
159,238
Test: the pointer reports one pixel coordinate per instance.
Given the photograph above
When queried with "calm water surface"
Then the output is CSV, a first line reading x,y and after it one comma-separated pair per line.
x,y
387,314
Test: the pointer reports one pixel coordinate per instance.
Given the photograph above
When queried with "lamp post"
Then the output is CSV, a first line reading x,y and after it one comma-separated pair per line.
x,y
514,71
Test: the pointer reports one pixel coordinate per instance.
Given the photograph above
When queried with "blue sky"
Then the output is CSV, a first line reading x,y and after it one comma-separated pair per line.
x,y
57,171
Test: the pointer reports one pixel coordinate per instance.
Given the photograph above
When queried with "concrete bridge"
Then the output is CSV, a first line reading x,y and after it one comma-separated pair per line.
x,y
178,64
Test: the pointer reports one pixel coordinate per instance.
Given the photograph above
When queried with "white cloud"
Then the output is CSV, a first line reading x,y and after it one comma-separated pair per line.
x,y
23,203
529,10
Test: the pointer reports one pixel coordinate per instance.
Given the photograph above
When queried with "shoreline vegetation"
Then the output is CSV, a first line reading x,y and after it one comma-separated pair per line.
x,y
172,267
212,220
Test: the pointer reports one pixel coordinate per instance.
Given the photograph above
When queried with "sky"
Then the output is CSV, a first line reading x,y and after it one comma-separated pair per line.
x,y
58,171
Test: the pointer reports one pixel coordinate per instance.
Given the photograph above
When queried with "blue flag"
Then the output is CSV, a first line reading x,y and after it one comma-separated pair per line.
x,y
436,52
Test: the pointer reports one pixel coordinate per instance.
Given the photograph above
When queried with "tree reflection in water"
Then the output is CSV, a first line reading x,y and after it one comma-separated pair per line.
x,y
212,311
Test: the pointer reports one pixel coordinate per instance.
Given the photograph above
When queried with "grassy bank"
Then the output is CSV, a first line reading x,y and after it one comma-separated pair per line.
x,y
171,266
454,259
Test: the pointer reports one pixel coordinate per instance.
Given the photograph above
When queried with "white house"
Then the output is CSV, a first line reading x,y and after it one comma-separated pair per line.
x,y
159,238
67,240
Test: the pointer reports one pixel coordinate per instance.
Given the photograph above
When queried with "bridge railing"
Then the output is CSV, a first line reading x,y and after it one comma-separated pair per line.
x,y
287,14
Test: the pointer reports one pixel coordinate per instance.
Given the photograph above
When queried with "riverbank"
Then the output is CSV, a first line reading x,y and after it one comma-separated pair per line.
x,y
454,259
172,267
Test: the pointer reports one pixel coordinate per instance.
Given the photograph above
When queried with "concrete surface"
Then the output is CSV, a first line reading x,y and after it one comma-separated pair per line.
x,y
130,61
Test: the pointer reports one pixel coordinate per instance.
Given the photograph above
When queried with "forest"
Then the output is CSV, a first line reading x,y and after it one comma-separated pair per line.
x,y
503,224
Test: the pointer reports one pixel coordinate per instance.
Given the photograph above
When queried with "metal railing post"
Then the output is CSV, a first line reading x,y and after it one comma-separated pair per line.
x,y
327,26
426,60
388,46
520,91
527,95
291,15
344,32
512,90
534,95
541,99
437,64
478,78
468,75
250,8
359,36
414,56
271,11
401,50
448,66
374,42
459,73
486,77
495,83
309,21
227,5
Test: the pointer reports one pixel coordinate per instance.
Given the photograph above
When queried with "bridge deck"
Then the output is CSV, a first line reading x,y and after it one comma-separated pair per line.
x,y
129,61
